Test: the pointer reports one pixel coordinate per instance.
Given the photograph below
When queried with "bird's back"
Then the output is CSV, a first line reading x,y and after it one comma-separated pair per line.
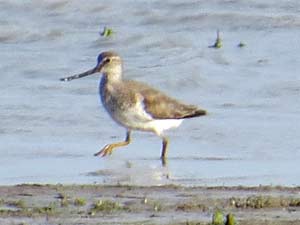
x,y
159,105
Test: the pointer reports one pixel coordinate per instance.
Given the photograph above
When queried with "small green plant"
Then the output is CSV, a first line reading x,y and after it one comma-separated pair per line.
x,y
106,206
218,42
107,32
218,218
79,202
230,219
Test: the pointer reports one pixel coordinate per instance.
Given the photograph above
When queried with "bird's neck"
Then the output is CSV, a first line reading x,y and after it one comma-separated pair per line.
x,y
109,79
113,74
107,82
112,78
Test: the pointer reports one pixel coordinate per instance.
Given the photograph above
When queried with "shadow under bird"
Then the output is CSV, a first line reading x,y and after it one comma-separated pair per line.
x,y
135,105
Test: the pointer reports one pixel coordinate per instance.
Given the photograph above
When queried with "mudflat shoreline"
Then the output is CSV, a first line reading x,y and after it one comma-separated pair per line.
x,y
103,204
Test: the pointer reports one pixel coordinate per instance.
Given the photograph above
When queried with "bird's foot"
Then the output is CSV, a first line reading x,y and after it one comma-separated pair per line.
x,y
107,150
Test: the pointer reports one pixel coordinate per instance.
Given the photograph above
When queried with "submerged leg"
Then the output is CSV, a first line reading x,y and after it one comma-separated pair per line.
x,y
163,156
164,148
108,149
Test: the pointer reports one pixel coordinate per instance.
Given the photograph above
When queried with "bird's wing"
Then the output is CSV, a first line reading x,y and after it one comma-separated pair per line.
x,y
161,106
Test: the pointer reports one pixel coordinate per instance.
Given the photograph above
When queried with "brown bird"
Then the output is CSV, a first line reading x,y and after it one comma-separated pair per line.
x,y
135,105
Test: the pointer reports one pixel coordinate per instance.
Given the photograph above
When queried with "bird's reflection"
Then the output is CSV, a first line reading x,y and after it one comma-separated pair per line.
x,y
142,172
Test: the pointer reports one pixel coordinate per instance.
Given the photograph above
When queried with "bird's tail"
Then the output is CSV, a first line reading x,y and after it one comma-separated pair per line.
x,y
196,113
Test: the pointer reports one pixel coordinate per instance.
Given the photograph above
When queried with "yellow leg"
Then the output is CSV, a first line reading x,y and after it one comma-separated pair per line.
x,y
108,149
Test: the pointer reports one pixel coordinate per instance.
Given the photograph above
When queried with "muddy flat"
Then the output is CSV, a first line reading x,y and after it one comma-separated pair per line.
x,y
100,204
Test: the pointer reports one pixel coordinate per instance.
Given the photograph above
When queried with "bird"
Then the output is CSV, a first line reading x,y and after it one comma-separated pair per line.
x,y
135,105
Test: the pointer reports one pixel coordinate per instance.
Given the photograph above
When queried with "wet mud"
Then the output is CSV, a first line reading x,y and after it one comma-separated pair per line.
x,y
101,204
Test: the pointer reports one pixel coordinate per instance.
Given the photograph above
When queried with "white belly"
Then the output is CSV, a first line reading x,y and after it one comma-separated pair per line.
x,y
136,118
159,126
137,121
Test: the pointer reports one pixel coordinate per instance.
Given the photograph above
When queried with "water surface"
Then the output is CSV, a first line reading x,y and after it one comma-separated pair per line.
x,y
49,129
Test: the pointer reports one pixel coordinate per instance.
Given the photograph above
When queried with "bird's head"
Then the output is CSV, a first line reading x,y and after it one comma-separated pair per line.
x,y
109,63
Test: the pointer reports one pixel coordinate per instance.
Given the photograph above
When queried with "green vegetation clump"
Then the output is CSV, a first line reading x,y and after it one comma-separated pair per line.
x,y
155,205
29,211
43,210
258,202
107,32
218,218
106,206
230,219
294,202
218,42
186,207
51,209
79,202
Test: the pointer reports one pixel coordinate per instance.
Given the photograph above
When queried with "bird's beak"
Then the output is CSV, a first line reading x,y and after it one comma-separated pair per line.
x,y
84,74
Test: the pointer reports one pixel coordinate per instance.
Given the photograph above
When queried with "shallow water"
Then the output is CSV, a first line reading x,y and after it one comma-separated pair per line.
x,y
49,129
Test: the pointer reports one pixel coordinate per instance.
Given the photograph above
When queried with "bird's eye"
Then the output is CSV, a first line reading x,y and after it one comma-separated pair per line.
x,y
107,60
